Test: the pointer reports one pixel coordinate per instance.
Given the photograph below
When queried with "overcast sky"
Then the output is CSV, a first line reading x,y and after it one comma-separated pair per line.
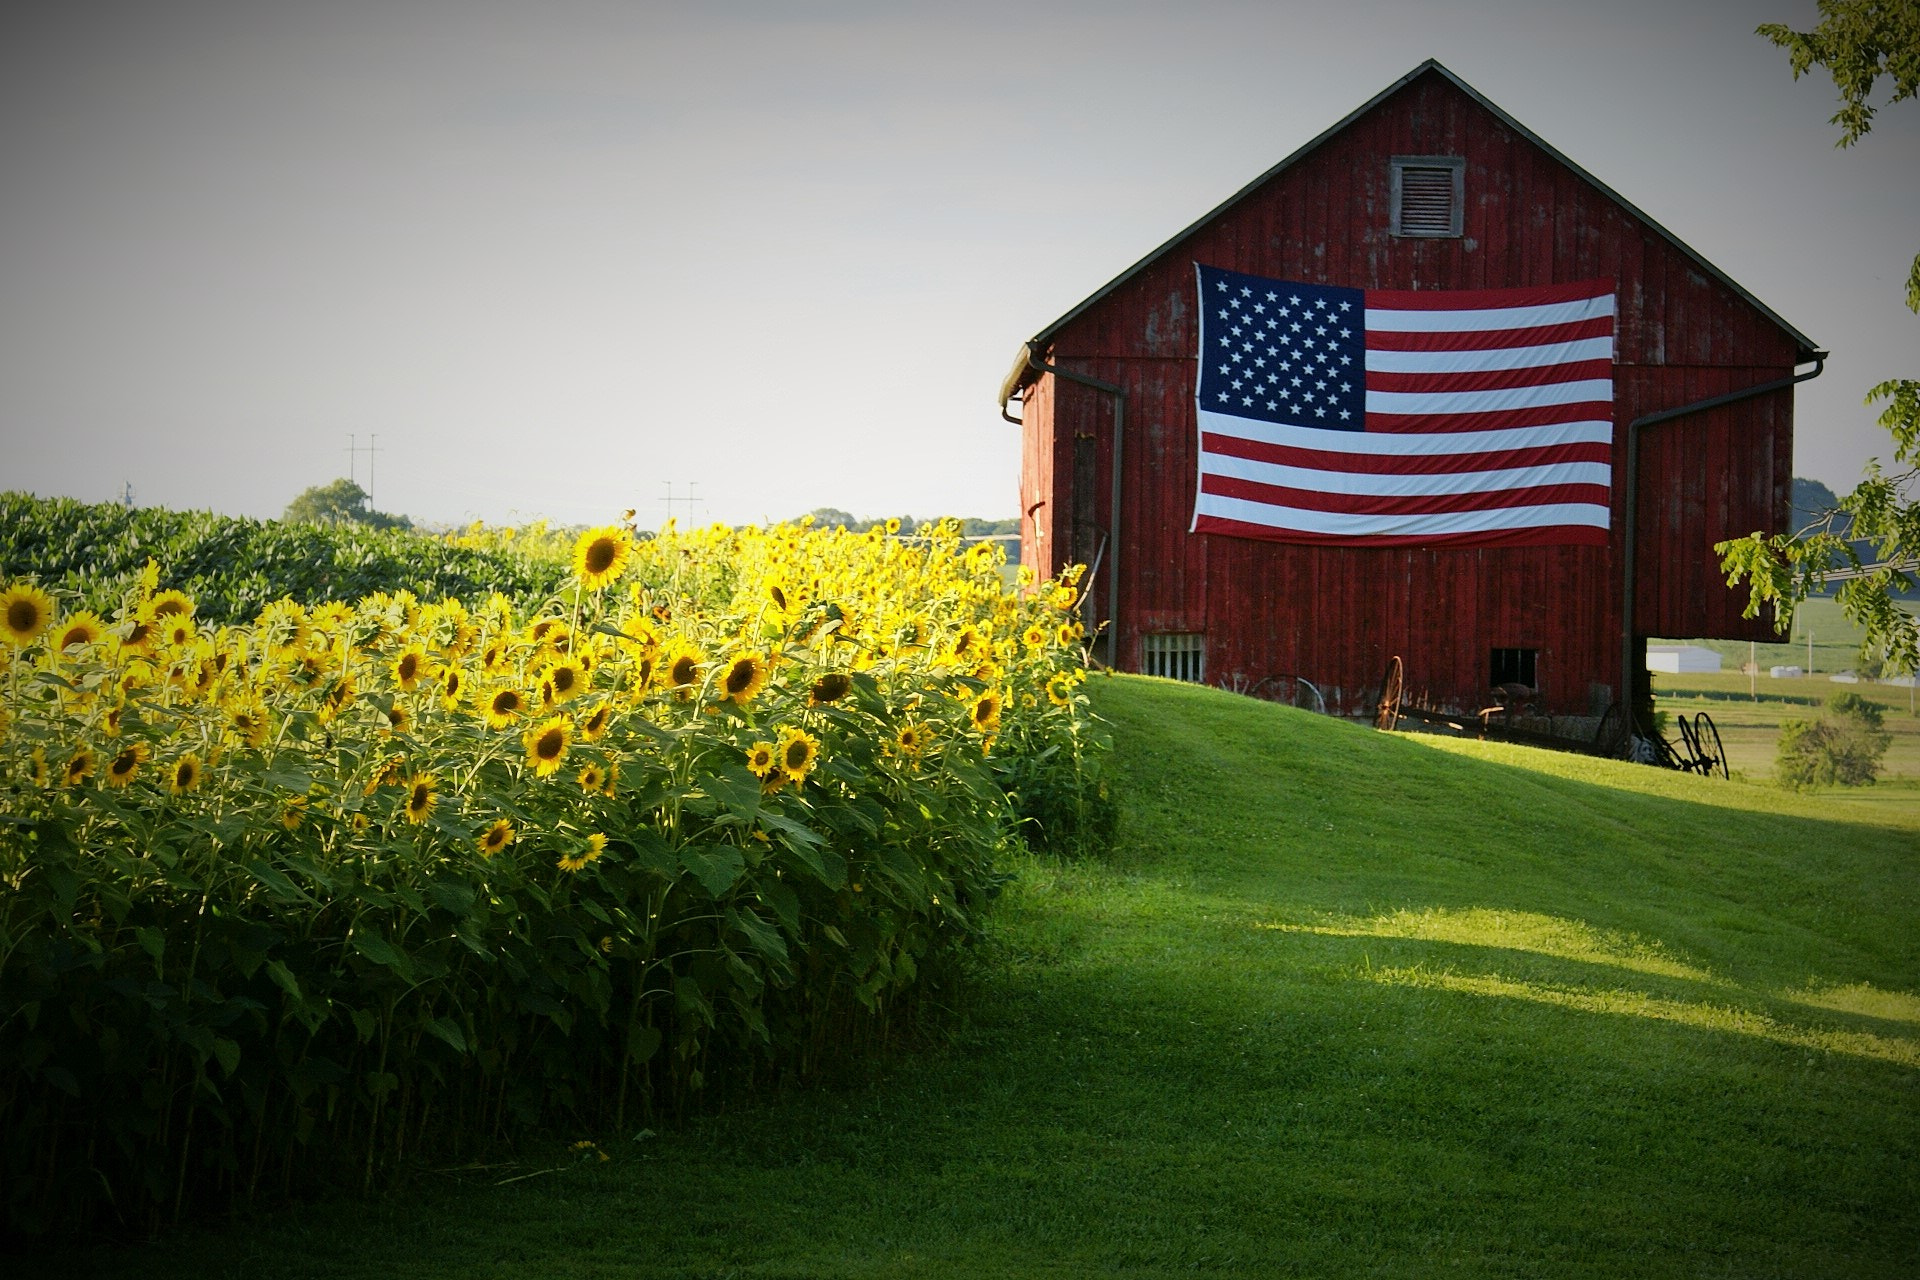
x,y
559,255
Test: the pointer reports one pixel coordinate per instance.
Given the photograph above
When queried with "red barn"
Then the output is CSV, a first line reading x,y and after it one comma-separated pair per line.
x,y
1429,186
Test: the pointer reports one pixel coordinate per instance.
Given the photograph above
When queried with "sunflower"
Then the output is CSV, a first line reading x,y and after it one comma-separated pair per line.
x,y
799,752
186,774
496,658
682,668
591,779
986,712
745,676
1066,635
293,812
594,727
567,678
1034,637
830,687
966,645
601,555
79,768
331,618
613,778
912,739
397,718
25,611
171,603
596,843
82,629
760,758
422,795
504,707
339,695
547,743
39,770
410,668
452,686
124,766
247,721
495,838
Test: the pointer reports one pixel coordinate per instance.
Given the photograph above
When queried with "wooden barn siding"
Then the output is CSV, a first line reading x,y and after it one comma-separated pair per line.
x,y
1336,615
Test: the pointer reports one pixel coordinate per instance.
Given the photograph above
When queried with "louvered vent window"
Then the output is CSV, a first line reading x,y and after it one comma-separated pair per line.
x,y
1428,195
1177,656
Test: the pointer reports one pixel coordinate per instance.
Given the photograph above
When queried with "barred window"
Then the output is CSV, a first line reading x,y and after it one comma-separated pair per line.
x,y
1177,656
1429,195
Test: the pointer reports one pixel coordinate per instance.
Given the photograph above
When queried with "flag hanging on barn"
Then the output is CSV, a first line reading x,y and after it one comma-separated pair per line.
x,y
1404,418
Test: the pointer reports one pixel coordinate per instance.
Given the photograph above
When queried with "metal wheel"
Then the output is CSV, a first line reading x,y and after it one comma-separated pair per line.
x,y
1703,728
1611,736
1690,757
1386,711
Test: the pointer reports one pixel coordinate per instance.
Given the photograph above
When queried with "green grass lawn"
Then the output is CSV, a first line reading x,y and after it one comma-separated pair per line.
x,y
1340,1003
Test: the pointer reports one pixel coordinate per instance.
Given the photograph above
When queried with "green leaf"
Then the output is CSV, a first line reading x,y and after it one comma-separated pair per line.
x,y
227,1053
717,867
445,1029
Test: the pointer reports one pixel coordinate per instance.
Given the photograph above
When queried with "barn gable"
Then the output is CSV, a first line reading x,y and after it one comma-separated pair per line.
x,y
1257,611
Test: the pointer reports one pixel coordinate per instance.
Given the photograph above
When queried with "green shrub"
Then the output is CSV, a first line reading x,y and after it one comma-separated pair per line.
x,y
1842,747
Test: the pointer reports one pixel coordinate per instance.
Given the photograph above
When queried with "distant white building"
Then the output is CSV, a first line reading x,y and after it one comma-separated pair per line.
x,y
1786,673
1679,658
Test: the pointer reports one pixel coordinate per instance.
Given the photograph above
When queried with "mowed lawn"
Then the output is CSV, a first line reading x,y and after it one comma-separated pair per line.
x,y
1340,1003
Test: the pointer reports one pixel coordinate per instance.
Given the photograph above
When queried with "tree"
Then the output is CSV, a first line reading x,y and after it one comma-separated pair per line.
x,y
1858,42
341,502
1844,746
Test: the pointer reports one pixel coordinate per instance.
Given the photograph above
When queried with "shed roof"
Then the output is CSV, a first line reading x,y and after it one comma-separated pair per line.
x,y
1023,373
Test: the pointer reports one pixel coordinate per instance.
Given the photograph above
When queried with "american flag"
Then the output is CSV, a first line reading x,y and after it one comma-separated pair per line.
x,y
1394,418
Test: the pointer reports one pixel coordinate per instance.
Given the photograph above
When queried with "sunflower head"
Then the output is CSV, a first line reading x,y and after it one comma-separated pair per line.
x,y
594,727
453,687
601,555
547,744
591,778
744,677
799,752
566,678
79,631
79,768
682,670
422,795
170,604
294,811
122,769
410,667
504,707
25,611
830,687
911,739
495,838
761,758
186,774
1060,690
985,713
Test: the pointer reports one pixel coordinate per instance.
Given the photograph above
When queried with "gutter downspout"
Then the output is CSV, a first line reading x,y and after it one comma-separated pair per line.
x,y
1629,677
1119,395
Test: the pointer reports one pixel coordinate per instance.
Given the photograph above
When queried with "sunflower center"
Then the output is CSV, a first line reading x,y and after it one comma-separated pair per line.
x,y
409,667
23,615
506,702
563,680
796,755
739,677
683,671
601,554
550,744
420,794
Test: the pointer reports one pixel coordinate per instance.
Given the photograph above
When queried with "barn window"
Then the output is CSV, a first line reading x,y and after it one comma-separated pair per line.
x,y
1177,656
1429,195
1515,666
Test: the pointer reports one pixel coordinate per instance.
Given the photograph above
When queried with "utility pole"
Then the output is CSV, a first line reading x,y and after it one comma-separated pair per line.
x,y
126,494
688,501
352,454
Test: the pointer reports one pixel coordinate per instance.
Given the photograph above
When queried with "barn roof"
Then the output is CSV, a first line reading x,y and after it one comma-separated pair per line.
x,y
1023,373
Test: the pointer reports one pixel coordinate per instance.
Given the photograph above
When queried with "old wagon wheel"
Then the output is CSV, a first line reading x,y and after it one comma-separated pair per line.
x,y
1691,758
1386,711
1611,736
1703,727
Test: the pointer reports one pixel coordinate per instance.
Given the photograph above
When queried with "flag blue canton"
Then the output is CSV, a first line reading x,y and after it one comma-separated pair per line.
x,y
1283,352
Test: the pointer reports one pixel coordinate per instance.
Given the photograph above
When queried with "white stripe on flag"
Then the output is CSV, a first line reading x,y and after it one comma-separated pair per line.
x,y
1597,391
1482,361
1362,526
1394,484
1409,444
1480,318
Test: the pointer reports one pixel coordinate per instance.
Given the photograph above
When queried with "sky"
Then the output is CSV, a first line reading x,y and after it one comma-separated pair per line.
x,y
560,260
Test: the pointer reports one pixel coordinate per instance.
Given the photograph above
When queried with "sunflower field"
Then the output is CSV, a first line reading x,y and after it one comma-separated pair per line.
x,y
292,902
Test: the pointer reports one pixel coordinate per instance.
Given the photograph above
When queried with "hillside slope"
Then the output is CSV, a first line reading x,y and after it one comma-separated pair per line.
x,y
1340,1003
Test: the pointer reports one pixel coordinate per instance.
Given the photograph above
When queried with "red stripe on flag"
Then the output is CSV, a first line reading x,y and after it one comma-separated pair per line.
x,y
1376,504
1490,379
1555,535
1489,339
1539,416
1401,464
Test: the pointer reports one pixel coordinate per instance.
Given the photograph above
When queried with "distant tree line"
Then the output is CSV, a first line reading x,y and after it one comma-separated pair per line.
x,y
971,527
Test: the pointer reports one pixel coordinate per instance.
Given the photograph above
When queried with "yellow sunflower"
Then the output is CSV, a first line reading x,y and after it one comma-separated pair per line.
x,y
1034,637
591,779
171,603
293,812
613,778
761,758
567,678
601,556
596,843
496,837
25,611
986,712
682,669
79,631
397,718
912,739
830,687
799,753
503,707
744,677
247,721
410,668
594,727
1060,690
186,774
122,769
79,768
453,687
422,795
339,695
547,744
39,767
